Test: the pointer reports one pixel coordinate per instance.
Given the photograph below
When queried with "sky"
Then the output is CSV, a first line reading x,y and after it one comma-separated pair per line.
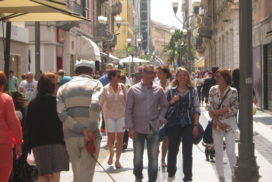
x,y
161,11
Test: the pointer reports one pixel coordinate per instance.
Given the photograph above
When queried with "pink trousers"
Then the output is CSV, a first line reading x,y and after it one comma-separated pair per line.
x,y
5,162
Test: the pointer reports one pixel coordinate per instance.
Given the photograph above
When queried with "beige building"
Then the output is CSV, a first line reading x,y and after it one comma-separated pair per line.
x,y
160,36
219,32
19,54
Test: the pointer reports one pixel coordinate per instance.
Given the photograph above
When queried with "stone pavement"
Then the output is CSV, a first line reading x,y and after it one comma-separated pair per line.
x,y
203,171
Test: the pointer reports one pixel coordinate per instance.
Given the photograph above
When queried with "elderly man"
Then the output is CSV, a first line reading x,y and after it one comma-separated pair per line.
x,y
145,110
78,108
29,87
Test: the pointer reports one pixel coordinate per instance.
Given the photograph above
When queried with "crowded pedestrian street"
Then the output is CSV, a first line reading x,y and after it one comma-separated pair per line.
x,y
204,171
135,91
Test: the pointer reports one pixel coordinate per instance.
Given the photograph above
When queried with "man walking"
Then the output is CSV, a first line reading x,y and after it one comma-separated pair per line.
x,y
145,110
12,82
78,108
29,87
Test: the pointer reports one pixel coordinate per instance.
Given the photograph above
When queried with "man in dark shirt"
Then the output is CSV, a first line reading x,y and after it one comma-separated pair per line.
x,y
208,83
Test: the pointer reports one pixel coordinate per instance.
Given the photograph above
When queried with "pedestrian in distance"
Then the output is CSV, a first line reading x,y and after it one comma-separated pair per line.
x,y
208,83
164,75
44,131
113,103
11,131
63,78
145,110
29,86
184,96
79,110
12,82
223,109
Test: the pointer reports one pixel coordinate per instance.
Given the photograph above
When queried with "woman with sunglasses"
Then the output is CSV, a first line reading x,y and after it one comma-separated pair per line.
x,y
113,102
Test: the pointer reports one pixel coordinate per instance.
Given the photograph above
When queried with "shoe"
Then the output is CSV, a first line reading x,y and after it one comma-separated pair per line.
x,y
102,130
124,146
221,179
138,180
163,164
170,179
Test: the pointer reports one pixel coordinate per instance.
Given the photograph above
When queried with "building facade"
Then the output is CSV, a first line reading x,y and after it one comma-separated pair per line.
x,y
219,32
262,52
160,36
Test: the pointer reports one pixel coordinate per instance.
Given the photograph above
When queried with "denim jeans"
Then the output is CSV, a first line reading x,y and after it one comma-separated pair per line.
x,y
152,140
175,135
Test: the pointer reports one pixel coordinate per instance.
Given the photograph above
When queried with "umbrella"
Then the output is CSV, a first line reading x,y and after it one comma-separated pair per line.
x,y
133,60
33,10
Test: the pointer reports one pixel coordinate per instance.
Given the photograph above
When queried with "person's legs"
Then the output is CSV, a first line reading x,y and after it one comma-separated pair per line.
x,y
55,177
138,149
164,149
218,147
119,148
173,149
72,146
230,147
6,158
187,148
152,150
87,162
111,140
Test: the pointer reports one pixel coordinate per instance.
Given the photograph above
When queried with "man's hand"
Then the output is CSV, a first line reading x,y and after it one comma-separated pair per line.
x,y
131,133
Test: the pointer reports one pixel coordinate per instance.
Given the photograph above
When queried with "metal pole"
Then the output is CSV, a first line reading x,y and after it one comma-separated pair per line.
x,y
7,47
247,169
37,50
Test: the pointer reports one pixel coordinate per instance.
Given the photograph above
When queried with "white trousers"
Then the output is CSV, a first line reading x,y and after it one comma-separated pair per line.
x,y
218,136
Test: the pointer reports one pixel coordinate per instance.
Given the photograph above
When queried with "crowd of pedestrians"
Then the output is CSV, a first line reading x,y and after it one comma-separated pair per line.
x,y
61,118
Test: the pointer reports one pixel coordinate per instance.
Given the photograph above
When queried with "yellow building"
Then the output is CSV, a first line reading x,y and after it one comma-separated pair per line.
x,y
125,29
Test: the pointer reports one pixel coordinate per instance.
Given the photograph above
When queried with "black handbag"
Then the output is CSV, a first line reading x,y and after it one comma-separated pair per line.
x,y
173,111
207,137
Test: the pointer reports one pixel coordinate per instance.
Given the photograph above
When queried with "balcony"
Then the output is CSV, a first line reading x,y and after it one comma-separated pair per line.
x,y
205,29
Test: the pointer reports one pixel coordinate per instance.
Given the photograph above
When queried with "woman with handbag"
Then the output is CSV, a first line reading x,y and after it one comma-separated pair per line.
x,y
184,126
113,103
44,133
223,109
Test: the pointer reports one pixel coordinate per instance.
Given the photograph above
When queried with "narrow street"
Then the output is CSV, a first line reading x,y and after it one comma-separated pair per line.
x,y
203,171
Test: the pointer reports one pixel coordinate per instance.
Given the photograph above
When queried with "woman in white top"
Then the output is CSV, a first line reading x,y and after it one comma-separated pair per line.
x,y
113,101
224,120
164,74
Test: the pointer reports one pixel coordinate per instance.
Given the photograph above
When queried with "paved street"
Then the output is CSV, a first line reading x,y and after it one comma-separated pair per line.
x,y
202,171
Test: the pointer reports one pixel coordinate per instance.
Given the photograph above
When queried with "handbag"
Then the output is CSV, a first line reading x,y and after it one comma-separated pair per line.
x,y
207,137
172,113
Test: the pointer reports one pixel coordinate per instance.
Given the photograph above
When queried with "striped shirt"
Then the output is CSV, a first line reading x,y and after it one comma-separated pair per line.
x,y
78,105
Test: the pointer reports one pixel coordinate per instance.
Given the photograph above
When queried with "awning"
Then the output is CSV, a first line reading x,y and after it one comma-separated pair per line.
x,y
112,58
200,63
133,60
36,10
87,49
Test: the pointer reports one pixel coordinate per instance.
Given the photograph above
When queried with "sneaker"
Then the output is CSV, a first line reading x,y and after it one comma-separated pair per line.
x,y
221,179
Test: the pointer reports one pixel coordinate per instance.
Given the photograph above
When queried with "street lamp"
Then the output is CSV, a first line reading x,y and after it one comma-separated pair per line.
x,y
102,19
118,21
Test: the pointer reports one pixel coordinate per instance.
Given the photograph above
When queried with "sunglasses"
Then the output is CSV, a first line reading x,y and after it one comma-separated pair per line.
x,y
150,72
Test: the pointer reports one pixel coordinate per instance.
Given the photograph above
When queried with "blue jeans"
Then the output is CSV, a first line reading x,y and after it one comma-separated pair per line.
x,y
152,140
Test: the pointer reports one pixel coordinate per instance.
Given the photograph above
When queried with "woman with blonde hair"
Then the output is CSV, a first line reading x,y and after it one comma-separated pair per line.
x,y
184,128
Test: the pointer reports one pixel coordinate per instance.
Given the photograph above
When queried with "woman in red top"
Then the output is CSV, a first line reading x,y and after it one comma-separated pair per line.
x,y
10,131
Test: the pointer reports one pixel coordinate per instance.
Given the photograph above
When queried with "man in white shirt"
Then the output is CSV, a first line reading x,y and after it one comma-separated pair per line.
x,y
29,87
